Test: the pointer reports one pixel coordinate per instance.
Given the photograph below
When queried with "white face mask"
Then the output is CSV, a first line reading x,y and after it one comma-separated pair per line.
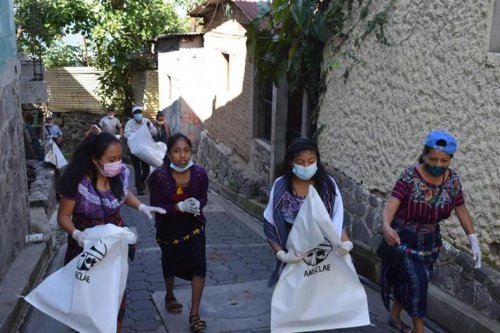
x,y
177,168
110,116
305,173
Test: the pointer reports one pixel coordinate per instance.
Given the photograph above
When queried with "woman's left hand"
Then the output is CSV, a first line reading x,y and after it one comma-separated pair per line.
x,y
149,210
476,250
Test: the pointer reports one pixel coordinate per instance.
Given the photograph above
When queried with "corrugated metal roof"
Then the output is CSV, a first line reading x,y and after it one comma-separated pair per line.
x,y
248,7
177,35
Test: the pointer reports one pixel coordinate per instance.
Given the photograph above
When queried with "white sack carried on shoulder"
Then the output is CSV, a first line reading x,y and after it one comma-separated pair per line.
x,y
142,145
323,290
86,293
54,155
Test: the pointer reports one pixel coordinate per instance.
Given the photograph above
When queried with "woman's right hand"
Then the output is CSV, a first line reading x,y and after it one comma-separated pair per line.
x,y
390,235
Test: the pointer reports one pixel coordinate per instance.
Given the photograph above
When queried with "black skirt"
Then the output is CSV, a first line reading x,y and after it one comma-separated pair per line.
x,y
185,259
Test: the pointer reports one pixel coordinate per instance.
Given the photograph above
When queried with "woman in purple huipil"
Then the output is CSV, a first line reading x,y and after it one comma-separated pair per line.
x,y
94,186
424,195
180,187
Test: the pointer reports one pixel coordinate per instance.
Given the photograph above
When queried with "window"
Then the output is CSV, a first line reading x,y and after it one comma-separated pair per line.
x,y
495,29
265,110
226,71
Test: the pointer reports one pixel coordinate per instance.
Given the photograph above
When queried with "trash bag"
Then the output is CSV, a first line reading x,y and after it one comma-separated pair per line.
x,y
142,145
322,291
86,293
54,155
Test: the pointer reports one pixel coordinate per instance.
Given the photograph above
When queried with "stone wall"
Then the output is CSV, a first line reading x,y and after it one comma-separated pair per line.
x,y
436,72
14,213
226,168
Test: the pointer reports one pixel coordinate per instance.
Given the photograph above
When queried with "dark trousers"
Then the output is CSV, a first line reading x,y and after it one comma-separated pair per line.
x,y
141,172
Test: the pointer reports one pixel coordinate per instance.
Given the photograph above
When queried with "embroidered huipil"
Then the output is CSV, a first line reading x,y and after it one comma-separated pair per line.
x,y
423,206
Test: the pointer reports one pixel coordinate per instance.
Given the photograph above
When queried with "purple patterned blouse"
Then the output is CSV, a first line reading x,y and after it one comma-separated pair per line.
x,y
88,203
165,194
425,203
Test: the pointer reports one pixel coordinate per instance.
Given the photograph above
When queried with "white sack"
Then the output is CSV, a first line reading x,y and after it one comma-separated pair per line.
x,y
142,145
323,290
86,293
54,155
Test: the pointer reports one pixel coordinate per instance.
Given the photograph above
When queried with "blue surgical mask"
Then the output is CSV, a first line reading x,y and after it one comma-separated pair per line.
x,y
435,171
180,169
138,117
305,173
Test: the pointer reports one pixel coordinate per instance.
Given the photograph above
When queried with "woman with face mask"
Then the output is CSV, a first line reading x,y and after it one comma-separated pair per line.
x,y
302,168
180,187
94,185
424,195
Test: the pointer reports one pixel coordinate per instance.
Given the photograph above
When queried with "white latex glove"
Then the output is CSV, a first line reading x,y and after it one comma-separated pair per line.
x,y
288,257
149,210
476,250
190,205
79,237
344,248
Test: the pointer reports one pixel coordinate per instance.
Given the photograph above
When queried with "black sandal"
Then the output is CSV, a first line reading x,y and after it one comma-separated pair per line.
x,y
399,326
172,305
197,324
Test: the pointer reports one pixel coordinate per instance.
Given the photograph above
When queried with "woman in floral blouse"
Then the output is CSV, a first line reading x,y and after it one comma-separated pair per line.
x,y
424,195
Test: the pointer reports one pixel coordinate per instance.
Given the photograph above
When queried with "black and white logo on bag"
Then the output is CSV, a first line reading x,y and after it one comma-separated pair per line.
x,y
316,256
92,256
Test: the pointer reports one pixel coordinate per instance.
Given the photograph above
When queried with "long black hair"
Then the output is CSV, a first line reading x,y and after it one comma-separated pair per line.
x,y
172,140
322,182
81,165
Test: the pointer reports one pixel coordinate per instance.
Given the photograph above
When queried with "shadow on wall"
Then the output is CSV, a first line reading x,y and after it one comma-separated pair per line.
x,y
74,89
182,119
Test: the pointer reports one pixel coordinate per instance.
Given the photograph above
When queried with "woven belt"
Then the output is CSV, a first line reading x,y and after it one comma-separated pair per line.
x,y
182,239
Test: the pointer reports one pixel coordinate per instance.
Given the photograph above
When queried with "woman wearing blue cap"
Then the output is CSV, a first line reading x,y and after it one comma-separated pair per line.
x,y
424,195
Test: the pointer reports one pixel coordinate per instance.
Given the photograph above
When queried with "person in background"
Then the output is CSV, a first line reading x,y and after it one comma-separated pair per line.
x,y
110,123
181,188
162,128
424,195
302,168
94,186
53,131
141,168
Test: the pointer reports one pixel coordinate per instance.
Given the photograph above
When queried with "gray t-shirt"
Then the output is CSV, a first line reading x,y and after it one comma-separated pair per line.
x,y
110,125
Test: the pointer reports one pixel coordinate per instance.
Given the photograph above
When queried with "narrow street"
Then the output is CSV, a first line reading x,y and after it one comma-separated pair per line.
x,y
236,298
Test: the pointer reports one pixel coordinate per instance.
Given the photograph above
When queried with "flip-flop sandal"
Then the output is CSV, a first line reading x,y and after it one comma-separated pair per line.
x,y
197,324
172,305
400,326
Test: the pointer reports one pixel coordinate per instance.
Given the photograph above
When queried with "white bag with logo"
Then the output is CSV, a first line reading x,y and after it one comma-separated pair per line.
x,y
86,293
142,145
322,291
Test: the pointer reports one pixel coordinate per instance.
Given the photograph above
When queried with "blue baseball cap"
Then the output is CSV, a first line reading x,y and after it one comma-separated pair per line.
x,y
449,145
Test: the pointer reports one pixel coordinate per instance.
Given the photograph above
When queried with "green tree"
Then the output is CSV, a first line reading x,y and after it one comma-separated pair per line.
x,y
291,44
60,55
115,32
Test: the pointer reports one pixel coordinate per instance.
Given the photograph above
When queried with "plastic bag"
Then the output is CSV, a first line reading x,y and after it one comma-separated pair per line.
x,y
142,145
54,155
86,293
322,291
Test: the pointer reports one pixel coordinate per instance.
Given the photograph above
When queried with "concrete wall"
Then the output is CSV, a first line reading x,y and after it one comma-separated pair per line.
x,y
233,82
437,72
145,92
73,89
14,213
